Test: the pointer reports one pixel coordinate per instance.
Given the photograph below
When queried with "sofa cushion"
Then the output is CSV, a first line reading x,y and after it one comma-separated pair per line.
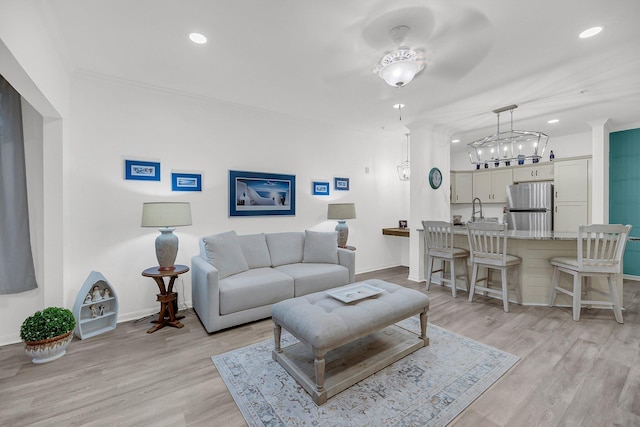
x,y
315,277
285,248
254,288
224,253
320,247
256,252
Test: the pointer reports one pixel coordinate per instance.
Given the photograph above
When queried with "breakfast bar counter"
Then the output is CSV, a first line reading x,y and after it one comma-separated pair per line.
x,y
534,275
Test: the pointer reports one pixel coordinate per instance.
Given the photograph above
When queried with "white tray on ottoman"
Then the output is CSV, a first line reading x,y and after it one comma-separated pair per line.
x,y
361,336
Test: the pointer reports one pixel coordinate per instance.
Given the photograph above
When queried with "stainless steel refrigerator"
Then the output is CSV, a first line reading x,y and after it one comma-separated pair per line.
x,y
530,206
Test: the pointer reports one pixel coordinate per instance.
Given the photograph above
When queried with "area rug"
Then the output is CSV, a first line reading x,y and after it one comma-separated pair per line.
x,y
429,387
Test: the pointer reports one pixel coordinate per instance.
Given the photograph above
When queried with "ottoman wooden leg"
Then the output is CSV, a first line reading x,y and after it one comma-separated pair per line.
x,y
277,332
423,327
319,365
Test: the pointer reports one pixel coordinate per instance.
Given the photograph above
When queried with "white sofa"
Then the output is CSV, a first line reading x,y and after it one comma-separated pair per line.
x,y
236,279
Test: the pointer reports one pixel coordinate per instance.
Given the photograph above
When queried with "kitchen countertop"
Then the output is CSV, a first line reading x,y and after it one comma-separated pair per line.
x,y
461,230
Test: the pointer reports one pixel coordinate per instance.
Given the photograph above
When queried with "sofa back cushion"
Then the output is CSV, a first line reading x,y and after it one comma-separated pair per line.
x,y
256,252
285,248
320,247
225,253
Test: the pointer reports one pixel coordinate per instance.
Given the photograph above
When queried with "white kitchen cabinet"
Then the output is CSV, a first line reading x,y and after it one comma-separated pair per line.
x,y
569,215
461,187
571,194
490,186
533,173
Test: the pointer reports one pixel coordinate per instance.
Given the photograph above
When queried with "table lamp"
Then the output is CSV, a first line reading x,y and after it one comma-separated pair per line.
x,y
167,216
342,212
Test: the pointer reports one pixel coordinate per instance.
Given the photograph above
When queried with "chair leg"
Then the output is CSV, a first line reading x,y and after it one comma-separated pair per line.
x,y
577,296
516,288
554,284
474,277
467,280
505,290
452,263
429,270
613,290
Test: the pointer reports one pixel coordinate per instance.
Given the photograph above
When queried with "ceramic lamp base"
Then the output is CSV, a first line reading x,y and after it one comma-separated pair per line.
x,y
343,233
166,249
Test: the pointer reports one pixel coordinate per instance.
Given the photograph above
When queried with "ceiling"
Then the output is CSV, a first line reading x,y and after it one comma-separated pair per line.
x,y
314,59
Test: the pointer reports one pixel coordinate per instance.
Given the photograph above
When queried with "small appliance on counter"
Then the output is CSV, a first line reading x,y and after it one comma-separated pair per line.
x,y
530,206
457,220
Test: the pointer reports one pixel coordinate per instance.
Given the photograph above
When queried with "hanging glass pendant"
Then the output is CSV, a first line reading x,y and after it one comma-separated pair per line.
x,y
404,169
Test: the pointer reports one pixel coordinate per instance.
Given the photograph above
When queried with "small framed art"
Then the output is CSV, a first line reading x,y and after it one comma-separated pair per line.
x,y
141,170
341,184
181,181
320,188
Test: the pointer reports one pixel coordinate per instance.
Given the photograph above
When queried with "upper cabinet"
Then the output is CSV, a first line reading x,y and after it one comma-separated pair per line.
x,y
533,173
461,187
571,194
490,186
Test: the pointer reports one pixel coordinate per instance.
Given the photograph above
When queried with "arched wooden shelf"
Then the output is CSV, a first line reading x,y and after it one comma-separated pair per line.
x,y
105,317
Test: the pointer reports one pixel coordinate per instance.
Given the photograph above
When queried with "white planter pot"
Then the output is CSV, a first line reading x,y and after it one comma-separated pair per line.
x,y
48,350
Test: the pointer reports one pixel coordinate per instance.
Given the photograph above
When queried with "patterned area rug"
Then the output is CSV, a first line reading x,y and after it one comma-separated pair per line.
x,y
429,387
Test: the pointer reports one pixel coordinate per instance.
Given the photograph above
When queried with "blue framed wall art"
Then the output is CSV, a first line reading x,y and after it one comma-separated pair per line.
x,y
259,193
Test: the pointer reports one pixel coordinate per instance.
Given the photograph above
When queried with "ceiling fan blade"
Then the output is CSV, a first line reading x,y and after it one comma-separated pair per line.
x,y
456,48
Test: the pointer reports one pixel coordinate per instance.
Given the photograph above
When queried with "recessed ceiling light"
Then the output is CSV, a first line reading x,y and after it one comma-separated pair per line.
x,y
590,32
198,38
552,121
398,106
455,140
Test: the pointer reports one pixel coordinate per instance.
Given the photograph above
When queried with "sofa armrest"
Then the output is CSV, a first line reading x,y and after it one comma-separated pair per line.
x,y
205,292
347,258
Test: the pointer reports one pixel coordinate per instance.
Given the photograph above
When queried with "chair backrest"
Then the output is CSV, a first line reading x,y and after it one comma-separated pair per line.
x,y
438,237
601,246
488,240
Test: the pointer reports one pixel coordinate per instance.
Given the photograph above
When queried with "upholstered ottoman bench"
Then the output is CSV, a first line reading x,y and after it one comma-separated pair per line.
x,y
360,331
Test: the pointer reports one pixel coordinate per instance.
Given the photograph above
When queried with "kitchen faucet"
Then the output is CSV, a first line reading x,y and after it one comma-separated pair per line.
x,y
473,214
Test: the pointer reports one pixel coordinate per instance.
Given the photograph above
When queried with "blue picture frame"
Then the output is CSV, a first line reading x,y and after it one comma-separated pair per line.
x,y
260,193
186,181
320,188
140,170
341,184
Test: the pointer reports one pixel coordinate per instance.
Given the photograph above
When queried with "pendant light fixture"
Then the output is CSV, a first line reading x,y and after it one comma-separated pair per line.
x,y
404,169
514,145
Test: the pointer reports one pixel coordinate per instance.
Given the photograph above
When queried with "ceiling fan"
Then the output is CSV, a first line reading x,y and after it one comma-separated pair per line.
x,y
449,41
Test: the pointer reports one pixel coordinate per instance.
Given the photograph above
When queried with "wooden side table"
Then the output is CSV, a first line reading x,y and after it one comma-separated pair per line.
x,y
166,296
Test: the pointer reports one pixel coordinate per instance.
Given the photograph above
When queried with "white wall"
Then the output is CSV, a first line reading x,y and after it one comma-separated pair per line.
x,y
113,120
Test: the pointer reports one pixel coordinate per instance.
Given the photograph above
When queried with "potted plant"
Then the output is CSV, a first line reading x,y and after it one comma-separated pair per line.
x,y
47,334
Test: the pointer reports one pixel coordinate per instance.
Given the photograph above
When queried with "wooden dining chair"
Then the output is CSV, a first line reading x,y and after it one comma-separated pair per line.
x,y
600,250
438,244
488,247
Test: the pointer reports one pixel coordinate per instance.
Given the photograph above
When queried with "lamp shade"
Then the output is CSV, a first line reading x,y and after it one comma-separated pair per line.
x,y
341,211
166,214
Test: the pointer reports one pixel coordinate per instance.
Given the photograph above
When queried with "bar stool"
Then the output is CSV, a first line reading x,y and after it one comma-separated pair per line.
x,y
600,250
438,243
488,246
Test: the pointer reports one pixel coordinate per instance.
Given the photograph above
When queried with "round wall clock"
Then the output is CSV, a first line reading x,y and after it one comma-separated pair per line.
x,y
435,178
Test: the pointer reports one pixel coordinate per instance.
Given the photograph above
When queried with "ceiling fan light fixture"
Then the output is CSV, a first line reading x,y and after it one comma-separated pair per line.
x,y
399,67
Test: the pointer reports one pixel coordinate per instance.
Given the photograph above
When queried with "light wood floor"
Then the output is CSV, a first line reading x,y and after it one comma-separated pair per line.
x,y
583,373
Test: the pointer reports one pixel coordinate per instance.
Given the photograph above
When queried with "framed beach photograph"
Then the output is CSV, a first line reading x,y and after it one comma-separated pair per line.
x,y
183,181
260,193
341,184
320,188
141,170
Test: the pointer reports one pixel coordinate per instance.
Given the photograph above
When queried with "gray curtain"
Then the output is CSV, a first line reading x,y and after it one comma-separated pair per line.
x,y
16,261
